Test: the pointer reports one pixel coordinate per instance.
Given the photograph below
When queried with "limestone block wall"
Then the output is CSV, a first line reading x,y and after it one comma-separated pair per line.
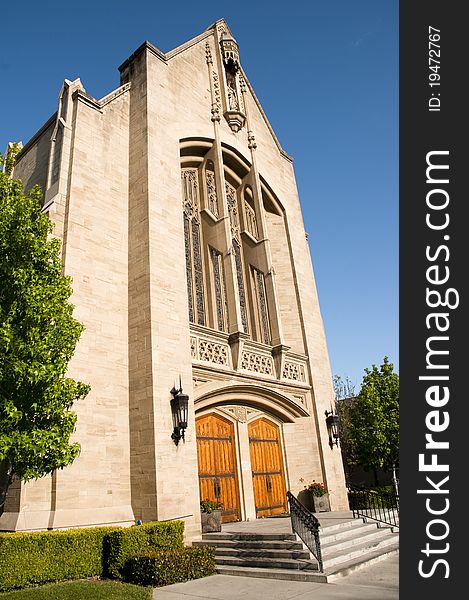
x,y
286,285
32,165
164,484
96,488
141,409
302,454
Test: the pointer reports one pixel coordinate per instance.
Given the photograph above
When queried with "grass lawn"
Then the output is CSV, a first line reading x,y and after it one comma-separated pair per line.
x,y
81,590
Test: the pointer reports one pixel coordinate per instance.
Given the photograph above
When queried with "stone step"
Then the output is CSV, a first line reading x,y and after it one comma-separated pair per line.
x,y
262,553
344,543
235,536
264,573
359,550
327,536
345,546
330,575
266,563
339,527
350,566
263,544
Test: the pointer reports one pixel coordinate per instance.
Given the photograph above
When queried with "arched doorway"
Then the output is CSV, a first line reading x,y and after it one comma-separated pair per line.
x,y
218,478
268,476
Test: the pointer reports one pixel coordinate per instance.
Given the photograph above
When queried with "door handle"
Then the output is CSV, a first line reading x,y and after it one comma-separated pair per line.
x,y
268,483
216,488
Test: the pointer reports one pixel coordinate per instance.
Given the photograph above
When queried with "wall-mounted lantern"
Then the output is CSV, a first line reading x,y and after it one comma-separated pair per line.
x,y
179,410
332,423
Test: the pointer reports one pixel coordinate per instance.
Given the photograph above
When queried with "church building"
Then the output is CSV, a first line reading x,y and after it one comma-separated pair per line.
x,y
204,345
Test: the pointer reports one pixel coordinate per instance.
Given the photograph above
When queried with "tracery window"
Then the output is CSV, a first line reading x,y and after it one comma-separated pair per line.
x,y
212,199
207,240
236,242
192,239
219,285
262,316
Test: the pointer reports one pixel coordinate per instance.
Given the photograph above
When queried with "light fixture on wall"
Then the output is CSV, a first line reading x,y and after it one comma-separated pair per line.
x,y
179,410
332,423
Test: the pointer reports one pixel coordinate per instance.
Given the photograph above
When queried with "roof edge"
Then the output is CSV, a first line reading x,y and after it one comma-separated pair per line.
x,y
145,46
37,135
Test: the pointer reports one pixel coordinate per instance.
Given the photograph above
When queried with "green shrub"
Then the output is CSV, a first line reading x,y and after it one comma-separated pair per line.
x,y
40,557
384,489
171,566
140,539
371,499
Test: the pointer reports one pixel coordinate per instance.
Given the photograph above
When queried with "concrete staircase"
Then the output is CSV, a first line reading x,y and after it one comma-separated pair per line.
x,y
345,547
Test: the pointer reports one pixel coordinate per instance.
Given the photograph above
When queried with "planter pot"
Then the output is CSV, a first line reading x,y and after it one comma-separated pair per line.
x,y
211,522
321,503
306,499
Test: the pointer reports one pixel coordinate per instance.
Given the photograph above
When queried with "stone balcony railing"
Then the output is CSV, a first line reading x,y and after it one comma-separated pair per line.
x,y
210,347
237,352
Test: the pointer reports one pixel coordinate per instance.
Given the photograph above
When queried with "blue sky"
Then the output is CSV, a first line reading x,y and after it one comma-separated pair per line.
x,y
326,74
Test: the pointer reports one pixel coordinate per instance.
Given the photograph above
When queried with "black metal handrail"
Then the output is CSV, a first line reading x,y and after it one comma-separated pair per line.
x,y
377,505
306,526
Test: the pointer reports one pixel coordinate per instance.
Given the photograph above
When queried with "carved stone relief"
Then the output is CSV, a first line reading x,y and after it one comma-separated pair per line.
x,y
294,371
258,363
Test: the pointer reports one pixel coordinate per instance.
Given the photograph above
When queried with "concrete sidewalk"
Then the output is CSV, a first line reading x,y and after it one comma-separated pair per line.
x,y
379,581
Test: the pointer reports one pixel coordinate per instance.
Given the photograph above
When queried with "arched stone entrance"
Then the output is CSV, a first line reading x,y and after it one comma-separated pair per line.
x,y
241,453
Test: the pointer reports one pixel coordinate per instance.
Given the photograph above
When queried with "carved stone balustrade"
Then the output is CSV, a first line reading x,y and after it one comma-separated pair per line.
x,y
237,352
210,346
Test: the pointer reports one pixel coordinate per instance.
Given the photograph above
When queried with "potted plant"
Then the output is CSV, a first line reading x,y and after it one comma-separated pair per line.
x,y
320,496
210,514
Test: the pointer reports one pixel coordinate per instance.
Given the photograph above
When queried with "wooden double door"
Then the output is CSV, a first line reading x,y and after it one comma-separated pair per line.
x,y
218,474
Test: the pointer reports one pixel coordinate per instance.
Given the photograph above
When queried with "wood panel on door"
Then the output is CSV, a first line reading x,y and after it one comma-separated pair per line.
x,y
267,468
218,479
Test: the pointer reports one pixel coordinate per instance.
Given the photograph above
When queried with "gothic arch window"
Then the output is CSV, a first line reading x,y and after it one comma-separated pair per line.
x,y
232,201
250,219
193,250
219,290
211,189
261,313
214,275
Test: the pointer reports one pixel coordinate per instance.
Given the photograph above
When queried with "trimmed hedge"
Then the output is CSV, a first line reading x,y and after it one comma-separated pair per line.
x,y
172,566
42,557
140,539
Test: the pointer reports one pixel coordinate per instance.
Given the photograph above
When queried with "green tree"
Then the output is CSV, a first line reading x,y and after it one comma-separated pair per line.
x,y
38,335
345,397
374,420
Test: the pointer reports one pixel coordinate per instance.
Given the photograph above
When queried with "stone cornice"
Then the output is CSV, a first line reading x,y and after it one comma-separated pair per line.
x,y
100,104
187,45
115,94
145,46
82,96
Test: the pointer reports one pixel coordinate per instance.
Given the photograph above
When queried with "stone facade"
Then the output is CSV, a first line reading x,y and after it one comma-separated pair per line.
x,y
182,231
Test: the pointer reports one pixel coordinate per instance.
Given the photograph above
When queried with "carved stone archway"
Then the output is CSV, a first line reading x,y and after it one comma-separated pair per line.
x,y
215,394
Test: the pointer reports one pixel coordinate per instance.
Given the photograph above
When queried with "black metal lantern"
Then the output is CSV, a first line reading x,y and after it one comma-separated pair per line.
x,y
332,423
179,410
